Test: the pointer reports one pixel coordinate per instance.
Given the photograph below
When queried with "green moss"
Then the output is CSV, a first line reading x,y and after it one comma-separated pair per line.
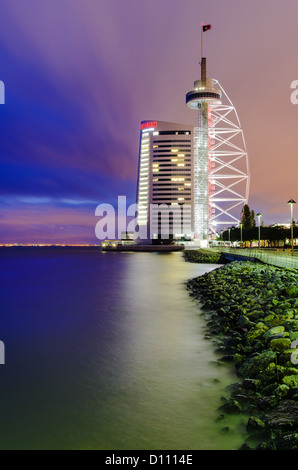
x,y
273,331
291,380
280,344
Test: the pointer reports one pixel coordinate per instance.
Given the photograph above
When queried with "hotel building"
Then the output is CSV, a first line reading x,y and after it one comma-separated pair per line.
x,y
165,182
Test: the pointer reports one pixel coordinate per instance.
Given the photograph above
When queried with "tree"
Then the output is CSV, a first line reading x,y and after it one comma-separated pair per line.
x,y
247,218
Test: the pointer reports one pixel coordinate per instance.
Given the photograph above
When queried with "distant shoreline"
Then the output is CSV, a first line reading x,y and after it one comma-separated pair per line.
x,y
119,249
50,247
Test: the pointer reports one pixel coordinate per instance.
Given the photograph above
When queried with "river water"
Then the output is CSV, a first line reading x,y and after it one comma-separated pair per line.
x,y
107,351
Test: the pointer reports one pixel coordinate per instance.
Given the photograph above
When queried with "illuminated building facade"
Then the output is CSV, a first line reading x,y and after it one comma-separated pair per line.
x,y
165,179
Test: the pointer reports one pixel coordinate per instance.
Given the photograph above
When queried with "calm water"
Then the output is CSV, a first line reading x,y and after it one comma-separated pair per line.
x,y
107,351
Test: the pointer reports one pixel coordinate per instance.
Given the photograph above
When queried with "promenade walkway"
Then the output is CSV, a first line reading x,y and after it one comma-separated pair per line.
x,y
282,259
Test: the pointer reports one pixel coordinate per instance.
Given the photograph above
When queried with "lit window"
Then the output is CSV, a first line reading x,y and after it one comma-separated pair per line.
x,y
174,150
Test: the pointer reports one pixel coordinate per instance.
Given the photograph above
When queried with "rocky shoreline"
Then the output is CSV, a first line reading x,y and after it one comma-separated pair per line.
x,y
252,315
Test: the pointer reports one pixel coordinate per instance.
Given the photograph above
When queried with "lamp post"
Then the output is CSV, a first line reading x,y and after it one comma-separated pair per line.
x,y
292,202
241,225
259,215
229,230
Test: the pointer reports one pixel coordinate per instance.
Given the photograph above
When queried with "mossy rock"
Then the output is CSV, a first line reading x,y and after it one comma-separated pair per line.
x,y
282,391
273,331
255,424
291,325
285,357
252,367
292,291
291,381
256,332
280,344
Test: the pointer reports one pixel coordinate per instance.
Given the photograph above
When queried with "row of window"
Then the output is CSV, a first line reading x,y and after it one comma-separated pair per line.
x,y
173,164
171,141
163,170
162,180
173,159
172,193
188,144
175,132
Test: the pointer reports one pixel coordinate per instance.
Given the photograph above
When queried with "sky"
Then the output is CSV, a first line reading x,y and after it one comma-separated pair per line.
x,y
80,76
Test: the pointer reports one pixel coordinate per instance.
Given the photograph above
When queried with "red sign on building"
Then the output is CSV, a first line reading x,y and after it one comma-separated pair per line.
x,y
148,125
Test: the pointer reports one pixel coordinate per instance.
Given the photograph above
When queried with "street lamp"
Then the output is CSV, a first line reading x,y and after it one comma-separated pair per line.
x,y
259,215
292,202
229,234
241,225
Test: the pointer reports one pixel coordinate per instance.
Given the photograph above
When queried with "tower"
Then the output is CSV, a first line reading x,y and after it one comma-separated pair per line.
x,y
199,98
220,160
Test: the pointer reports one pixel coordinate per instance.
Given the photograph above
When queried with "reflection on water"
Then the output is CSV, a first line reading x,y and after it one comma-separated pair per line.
x,y
107,351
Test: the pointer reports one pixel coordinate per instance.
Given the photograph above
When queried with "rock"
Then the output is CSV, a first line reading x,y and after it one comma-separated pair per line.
x,y
267,403
282,391
231,407
284,415
280,344
293,335
251,384
244,322
256,332
273,331
256,364
255,424
287,442
245,446
264,446
291,381
291,325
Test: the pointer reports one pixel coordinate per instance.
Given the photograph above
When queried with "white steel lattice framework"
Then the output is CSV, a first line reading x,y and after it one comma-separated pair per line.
x,y
228,164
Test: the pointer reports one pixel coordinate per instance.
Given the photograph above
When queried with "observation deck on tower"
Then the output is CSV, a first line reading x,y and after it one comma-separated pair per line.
x,y
204,90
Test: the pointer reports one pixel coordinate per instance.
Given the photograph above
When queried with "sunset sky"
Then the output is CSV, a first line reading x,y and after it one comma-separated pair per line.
x,y
80,75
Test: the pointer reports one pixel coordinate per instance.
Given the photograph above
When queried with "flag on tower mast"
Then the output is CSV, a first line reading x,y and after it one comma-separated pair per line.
x,y
205,27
